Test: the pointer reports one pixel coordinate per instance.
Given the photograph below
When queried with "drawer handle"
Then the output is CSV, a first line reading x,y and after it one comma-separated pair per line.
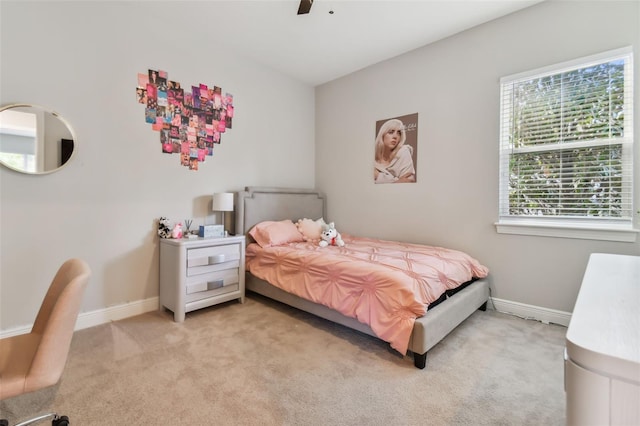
x,y
212,285
219,258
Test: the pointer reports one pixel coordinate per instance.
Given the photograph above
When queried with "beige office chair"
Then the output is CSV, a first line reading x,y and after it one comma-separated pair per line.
x,y
36,360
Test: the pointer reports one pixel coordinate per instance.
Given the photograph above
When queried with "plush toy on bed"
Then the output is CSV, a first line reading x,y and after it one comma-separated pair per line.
x,y
330,236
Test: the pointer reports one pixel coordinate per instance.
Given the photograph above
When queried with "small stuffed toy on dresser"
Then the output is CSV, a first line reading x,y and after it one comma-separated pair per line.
x,y
164,228
177,231
331,237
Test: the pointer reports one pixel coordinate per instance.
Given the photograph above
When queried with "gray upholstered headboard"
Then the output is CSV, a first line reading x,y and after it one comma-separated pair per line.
x,y
256,204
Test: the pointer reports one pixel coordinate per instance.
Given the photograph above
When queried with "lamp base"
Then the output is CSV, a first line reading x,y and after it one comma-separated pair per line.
x,y
224,224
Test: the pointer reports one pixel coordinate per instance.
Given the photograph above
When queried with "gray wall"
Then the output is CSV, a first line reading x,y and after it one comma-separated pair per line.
x,y
82,60
454,87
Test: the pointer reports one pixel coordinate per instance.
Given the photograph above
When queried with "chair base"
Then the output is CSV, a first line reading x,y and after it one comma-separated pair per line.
x,y
55,420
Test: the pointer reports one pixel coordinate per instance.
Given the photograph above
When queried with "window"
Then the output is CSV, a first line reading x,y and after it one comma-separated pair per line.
x,y
18,140
566,149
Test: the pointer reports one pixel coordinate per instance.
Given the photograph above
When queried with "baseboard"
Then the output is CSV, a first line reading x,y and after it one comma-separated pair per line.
x,y
100,316
547,316
114,313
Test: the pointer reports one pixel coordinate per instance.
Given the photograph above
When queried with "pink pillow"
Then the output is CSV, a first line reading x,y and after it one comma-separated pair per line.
x,y
311,230
271,233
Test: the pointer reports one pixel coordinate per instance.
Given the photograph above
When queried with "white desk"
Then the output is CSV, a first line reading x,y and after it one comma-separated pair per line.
x,y
602,358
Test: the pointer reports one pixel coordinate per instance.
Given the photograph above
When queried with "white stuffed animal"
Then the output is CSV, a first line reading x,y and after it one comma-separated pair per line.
x,y
330,236
164,228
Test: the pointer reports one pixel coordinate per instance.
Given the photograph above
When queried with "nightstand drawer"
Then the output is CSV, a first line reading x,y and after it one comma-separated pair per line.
x,y
209,259
212,284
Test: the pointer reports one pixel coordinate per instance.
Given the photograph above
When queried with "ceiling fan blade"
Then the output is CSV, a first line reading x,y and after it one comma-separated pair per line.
x,y
305,7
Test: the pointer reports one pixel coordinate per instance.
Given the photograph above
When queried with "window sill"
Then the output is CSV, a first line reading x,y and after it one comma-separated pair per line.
x,y
563,230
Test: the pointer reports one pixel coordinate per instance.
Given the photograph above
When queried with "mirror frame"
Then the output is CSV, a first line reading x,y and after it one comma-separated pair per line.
x,y
62,120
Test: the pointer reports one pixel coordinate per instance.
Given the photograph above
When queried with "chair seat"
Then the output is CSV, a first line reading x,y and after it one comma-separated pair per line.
x,y
16,357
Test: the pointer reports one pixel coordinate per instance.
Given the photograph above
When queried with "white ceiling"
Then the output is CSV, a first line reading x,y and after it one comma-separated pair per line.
x,y
321,46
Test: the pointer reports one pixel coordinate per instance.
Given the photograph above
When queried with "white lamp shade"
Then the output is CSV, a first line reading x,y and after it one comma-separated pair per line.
x,y
222,202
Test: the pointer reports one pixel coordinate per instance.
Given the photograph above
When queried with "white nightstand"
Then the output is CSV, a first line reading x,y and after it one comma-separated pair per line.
x,y
196,273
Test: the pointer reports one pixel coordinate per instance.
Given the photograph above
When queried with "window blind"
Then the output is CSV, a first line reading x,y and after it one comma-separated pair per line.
x,y
566,148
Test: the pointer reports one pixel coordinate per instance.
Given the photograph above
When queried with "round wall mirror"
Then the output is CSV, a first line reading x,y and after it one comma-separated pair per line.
x,y
34,140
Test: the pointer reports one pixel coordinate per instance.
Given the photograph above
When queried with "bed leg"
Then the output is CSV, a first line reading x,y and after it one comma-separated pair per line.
x,y
483,307
420,360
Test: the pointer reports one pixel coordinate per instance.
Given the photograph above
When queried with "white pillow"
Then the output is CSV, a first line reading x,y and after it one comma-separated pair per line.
x,y
311,229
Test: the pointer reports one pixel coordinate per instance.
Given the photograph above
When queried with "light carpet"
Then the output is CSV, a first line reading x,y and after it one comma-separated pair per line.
x,y
263,363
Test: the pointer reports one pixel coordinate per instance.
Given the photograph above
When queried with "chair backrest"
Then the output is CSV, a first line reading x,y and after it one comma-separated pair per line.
x,y
55,322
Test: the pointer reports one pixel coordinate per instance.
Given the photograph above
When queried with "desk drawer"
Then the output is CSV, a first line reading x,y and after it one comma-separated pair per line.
x,y
209,259
213,284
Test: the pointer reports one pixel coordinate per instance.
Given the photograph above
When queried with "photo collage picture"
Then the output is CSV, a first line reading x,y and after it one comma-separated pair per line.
x,y
190,121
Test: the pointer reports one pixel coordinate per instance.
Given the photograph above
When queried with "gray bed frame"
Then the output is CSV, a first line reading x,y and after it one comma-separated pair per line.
x,y
257,204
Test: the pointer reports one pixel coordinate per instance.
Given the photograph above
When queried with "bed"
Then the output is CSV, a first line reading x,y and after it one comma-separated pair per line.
x,y
256,205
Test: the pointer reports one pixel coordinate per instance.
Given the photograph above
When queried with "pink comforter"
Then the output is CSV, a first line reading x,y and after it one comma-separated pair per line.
x,y
383,284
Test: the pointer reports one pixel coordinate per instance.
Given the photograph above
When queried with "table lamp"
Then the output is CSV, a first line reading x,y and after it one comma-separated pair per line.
x,y
222,202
